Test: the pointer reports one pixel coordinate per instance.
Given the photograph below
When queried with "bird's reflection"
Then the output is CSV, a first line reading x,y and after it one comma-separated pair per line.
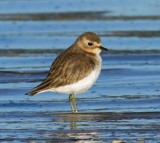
x,y
73,122
75,134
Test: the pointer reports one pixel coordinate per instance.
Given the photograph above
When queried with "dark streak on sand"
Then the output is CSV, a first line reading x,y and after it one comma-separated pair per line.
x,y
72,16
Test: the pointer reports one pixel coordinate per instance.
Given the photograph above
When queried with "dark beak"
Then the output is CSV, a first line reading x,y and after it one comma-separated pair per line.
x,y
104,49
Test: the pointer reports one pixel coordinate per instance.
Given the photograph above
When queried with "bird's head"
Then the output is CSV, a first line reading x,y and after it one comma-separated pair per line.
x,y
90,42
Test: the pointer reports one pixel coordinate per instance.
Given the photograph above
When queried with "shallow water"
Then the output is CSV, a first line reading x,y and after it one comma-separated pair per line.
x,y
123,105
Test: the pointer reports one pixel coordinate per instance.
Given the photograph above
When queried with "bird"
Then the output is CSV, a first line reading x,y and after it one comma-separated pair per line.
x,y
75,70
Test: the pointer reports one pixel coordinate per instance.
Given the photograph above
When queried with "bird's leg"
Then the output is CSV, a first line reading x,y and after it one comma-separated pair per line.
x,y
72,101
75,105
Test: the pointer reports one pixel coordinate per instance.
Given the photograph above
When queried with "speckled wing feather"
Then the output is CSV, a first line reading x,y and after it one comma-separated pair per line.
x,y
64,71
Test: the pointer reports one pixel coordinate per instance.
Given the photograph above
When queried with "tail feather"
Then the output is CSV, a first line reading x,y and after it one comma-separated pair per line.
x,y
43,86
31,93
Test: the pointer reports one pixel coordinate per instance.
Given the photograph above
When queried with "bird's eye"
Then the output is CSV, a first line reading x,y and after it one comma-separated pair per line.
x,y
90,44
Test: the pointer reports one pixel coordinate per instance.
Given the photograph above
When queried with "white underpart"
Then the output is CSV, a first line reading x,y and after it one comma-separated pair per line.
x,y
82,85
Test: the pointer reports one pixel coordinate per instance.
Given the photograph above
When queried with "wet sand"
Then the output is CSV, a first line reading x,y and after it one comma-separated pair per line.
x,y
122,106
